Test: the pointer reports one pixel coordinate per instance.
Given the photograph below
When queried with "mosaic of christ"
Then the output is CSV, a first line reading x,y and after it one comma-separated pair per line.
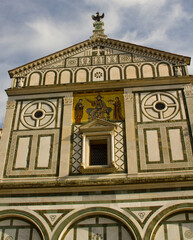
x,y
108,107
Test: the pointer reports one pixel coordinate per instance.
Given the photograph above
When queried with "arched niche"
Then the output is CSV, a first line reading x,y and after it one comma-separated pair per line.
x,y
98,74
173,222
98,227
35,79
115,73
18,225
175,226
147,71
163,70
131,72
81,76
50,78
65,77
88,216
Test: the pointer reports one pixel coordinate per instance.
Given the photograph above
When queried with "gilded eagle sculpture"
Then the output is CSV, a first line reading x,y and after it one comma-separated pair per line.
x,y
97,18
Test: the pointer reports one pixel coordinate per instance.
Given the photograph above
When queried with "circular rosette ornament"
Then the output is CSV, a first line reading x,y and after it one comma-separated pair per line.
x,y
160,106
38,114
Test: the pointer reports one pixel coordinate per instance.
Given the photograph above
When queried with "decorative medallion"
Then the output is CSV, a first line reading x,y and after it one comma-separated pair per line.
x,y
160,106
38,114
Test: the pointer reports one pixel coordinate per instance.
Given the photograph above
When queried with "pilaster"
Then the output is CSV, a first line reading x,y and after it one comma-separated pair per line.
x,y
66,135
188,91
130,132
7,126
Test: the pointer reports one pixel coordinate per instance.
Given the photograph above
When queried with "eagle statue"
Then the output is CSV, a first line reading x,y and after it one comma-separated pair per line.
x,y
97,18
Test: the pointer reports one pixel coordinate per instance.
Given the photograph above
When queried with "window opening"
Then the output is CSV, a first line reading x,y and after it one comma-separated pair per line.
x,y
98,152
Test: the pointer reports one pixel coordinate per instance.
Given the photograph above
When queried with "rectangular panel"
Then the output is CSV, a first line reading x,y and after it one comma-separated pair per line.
x,y
8,233
82,233
113,232
176,145
173,231
23,151
44,151
24,233
152,146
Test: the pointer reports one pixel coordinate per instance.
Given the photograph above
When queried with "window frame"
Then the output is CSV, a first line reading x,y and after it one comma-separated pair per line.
x,y
98,130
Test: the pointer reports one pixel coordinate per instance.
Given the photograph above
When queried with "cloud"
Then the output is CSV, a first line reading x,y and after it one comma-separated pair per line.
x,y
33,29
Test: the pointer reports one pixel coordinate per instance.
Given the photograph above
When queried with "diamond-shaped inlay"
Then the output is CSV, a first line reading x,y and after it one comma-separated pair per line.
x,y
77,150
119,147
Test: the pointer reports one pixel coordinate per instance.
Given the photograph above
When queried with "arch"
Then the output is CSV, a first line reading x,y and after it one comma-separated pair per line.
x,y
147,70
35,79
81,75
23,215
131,72
93,211
157,221
98,74
115,73
65,77
163,69
50,78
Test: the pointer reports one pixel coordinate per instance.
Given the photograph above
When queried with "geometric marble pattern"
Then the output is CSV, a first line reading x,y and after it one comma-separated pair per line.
x,y
119,149
142,214
76,150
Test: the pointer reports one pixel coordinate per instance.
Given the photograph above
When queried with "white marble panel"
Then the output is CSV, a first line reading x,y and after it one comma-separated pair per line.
x,y
82,233
176,144
65,77
173,231
44,152
50,78
69,235
34,79
22,152
24,234
160,233
112,233
153,146
9,233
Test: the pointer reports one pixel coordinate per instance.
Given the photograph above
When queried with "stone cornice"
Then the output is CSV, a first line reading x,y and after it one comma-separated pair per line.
x,y
126,183
99,86
112,43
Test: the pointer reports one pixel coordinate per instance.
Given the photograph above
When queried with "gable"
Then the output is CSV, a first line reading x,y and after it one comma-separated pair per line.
x,y
99,60
98,125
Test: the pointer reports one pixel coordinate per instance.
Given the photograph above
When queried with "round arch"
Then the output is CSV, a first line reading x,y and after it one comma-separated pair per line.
x,y
98,74
148,73
135,74
93,211
81,75
68,76
168,69
13,213
37,79
157,221
50,80
117,72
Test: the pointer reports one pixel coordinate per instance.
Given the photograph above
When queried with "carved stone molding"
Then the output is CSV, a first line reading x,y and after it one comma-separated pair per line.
x,y
188,90
128,97
68,100
11,104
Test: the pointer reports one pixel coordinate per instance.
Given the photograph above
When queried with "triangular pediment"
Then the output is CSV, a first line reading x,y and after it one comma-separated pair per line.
x,y
87,53
98,125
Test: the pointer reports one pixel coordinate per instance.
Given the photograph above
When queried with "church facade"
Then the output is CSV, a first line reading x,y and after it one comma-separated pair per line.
x,y
97,145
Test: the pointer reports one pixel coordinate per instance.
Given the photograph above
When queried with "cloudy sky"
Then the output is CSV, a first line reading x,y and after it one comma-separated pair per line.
x,y
30,29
